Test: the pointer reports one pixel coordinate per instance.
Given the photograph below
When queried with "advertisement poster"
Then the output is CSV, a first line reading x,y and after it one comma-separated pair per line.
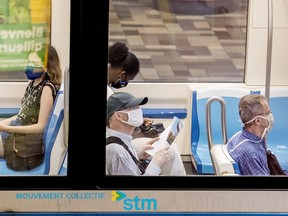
x,y
24,27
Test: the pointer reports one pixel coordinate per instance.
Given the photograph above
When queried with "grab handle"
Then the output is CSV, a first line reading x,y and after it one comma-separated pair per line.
x,y
223,119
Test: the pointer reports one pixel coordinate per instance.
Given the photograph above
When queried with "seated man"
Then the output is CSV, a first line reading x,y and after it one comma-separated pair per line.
x,y
248,147
124,115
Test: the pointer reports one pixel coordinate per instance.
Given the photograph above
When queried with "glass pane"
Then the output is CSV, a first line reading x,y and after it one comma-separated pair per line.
x,y
183,40
24,41
24,27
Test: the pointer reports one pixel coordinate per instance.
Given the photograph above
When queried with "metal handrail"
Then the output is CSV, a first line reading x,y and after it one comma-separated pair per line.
x,y
223,119
66,104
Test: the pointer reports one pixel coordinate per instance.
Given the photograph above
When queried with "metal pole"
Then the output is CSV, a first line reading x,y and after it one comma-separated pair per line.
x,y
269,49
269,56
66,104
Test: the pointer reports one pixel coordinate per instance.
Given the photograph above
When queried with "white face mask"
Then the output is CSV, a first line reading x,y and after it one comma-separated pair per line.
x,y
269,118
135,117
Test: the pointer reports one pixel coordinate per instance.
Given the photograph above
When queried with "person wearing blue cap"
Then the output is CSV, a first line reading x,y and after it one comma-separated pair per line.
x,y
124,115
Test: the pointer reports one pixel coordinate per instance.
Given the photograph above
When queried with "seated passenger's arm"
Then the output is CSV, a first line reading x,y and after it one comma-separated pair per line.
x,y
46,105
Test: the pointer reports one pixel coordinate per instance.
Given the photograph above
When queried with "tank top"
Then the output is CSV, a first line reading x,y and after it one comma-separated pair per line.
x,y
30,104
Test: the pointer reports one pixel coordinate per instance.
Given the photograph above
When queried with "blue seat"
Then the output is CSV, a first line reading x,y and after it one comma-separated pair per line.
x,y
200,153
63,170
55,148
164,113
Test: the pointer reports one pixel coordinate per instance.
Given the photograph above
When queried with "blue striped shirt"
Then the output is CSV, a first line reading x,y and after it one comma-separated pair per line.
x,y
250,154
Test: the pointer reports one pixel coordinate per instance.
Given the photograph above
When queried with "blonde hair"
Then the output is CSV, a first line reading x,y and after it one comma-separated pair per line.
x,y
53,66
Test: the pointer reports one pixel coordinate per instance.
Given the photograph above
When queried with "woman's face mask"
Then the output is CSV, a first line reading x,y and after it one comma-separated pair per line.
x,y
31,75
135,117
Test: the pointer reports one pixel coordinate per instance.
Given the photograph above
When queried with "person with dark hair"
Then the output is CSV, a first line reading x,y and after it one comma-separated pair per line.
x,y
248,147
124,115
38,99
123,66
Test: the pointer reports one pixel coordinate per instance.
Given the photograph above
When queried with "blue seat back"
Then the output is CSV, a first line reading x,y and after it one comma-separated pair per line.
x,y
199,141
54,137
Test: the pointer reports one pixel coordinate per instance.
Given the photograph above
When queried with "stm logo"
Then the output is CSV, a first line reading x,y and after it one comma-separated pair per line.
x,y
136,203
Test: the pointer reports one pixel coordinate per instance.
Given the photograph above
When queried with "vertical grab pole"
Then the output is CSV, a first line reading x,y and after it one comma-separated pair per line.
x,y
269,54
66,105
269,49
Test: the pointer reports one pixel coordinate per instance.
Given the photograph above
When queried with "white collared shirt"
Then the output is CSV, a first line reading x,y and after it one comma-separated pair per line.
x,y
109,91
120,162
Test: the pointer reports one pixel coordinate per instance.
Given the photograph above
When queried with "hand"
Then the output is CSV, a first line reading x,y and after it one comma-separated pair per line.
x,y
148,121
142,154
161,156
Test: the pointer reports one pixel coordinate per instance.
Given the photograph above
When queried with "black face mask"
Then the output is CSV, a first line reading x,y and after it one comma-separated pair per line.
x,y
119,84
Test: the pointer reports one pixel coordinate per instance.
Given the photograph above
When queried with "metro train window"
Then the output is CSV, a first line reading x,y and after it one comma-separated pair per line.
x,y
59,23
25,35
183,41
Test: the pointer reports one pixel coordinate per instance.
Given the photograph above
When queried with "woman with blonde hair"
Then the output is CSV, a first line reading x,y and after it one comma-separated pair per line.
x,y
38,99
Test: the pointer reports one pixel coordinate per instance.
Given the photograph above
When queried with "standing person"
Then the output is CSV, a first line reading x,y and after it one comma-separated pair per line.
x,y
38,99
248,147
124,115
123,66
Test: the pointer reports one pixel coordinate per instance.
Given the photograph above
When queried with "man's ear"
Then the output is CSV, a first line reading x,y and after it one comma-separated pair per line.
x,y
118,115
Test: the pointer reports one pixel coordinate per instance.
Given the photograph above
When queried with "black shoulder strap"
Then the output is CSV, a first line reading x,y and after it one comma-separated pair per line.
x,y
117,140
54,91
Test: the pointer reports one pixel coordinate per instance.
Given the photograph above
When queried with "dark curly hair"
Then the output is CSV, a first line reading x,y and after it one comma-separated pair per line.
x,y
119,56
